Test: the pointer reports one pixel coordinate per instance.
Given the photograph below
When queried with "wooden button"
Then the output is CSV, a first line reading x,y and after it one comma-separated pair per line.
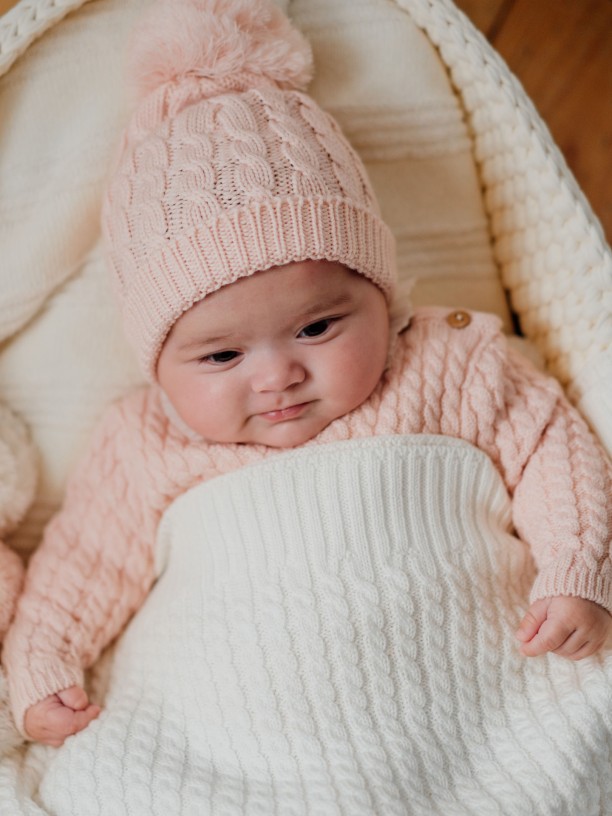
x,y
459,319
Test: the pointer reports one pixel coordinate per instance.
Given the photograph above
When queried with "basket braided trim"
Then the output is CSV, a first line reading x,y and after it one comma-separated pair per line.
x,y
551,250
25,22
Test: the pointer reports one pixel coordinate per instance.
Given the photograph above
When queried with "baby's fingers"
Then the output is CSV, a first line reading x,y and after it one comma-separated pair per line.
x,y
573,645
533,619
83,718
64,722
74,697
579,646
550,638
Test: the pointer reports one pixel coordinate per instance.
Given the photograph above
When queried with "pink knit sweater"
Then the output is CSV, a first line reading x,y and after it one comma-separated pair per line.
x,y
95,564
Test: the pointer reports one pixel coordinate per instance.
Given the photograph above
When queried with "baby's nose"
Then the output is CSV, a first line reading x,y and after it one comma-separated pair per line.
x,y
275,371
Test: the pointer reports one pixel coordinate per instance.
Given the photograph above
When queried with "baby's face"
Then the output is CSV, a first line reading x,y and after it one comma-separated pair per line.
x,y
274,358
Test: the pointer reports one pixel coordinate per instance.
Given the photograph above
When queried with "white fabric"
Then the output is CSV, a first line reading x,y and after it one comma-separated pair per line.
x,y
332,633
25,22
18,471
61,110
10,738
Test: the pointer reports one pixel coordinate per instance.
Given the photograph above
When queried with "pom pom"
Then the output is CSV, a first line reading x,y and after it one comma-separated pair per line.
x,y
218,39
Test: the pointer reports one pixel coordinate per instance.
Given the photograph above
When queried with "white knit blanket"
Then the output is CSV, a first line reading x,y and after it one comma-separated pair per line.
x,y
332,633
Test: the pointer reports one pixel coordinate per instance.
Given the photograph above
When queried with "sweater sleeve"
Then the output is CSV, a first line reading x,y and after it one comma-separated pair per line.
x,y
563,509
560,479
90,573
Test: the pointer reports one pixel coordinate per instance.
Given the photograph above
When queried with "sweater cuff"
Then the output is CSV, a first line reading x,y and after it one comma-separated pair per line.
x,y
566,577
28,689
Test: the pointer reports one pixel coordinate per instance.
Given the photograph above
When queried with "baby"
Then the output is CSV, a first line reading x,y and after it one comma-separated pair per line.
x,y
257,281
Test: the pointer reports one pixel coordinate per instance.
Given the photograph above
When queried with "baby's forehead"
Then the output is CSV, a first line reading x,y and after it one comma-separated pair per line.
x,y
297,290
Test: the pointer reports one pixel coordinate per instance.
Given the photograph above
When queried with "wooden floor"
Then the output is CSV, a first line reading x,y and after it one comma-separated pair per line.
x,y
561,50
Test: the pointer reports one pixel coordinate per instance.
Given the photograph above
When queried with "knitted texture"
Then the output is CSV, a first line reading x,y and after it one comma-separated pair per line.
x,y
552,254
18,470
27,21
96,565
17,482
10,738
18,474
227,168
315,645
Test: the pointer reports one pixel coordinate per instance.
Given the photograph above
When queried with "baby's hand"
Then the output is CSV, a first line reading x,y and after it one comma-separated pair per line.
x,y
60,715
570,627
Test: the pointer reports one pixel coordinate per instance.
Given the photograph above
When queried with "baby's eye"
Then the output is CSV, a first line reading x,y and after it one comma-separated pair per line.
x,y
220,357
317,328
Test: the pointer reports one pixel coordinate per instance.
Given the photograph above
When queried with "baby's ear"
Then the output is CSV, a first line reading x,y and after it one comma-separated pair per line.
x,y
18,470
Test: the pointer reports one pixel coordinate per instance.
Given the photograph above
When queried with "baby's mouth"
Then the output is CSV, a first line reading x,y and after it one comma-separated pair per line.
x,y
281,414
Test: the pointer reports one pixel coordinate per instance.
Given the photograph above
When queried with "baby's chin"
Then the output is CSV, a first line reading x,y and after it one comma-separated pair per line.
x,y
289,434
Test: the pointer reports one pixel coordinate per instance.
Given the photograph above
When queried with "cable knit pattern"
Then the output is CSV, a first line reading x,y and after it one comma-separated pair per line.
x,y
332,632
550,248
27,21
18,477
95,565
280,183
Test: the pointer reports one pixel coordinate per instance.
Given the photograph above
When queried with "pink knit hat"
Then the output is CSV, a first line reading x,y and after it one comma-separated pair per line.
x,y
228,168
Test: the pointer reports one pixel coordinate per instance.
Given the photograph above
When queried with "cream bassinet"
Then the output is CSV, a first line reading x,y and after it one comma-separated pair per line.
x,y
485,211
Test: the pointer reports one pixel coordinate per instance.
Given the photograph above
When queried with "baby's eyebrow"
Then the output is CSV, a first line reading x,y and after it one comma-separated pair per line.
x,y
326,305
203,341
309,311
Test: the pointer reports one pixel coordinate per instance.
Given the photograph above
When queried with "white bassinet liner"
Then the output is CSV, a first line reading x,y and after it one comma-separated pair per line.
x,y
467,175
332,632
